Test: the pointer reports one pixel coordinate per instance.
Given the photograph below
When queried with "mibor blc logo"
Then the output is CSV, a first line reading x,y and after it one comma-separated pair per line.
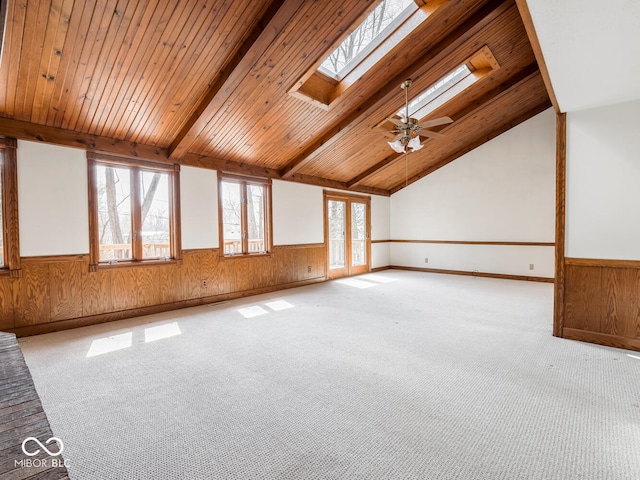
x,y
31,452
31,446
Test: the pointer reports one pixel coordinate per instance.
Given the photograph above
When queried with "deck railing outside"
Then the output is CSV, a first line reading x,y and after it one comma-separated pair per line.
x,y
232,247
123,251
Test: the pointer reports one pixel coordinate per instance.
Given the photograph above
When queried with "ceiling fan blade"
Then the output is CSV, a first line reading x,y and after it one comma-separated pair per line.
x,y
390,132
429,133
396,121
435,122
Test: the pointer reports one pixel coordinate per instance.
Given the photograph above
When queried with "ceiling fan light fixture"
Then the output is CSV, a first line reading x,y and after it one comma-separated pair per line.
x,y
410,129
415,144
397,146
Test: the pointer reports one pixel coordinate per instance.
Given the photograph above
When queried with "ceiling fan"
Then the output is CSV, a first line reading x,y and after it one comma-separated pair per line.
x,y
408,129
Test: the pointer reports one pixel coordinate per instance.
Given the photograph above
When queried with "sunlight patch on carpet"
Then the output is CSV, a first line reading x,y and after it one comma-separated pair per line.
x,y
278,305
354,282
100,346
250,312
159,332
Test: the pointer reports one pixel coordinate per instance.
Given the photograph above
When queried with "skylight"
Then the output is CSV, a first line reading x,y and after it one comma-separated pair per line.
x,y
374,29
435,90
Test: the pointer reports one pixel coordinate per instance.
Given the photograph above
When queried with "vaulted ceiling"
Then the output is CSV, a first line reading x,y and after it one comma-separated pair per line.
x,y
207,83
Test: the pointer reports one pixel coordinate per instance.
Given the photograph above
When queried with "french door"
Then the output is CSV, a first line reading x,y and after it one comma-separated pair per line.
x,y
347,234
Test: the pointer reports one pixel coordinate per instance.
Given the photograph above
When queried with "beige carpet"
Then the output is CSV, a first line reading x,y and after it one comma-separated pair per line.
x,y
394,375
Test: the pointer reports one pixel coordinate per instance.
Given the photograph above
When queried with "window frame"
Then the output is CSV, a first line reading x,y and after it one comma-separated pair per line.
x,y
10,227
320,88
421,109
136,166
375,44
268,220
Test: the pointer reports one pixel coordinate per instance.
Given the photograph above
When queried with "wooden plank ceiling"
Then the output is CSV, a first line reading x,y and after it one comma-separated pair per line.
x,y
206,83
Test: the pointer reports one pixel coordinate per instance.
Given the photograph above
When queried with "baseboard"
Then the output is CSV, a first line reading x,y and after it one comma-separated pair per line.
x,y
27,331
601,339
380,269
476,274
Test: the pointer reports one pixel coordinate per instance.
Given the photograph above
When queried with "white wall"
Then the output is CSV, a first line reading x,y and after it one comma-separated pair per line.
x,y
52,200
603,183
591,50
501,191
502,259
298,213
380,230
199,208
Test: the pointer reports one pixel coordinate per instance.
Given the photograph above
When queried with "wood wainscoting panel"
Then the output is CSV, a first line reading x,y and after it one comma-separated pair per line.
x,y
96,292
147,286
60,292
226,276
124,287
622,302
190,274
209,272
280,273
602,301
65,286
6,303
167,287
32,297
583,299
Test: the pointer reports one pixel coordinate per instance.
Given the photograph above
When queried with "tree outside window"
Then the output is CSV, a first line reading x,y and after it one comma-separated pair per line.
x,y
134,212
368,31
245,215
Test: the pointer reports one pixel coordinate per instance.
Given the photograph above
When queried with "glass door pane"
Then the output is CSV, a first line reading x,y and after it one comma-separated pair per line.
x,y
336,212
358,234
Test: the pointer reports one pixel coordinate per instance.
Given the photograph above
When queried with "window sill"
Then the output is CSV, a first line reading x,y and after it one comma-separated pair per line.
x,y
5,272
135,263
245,255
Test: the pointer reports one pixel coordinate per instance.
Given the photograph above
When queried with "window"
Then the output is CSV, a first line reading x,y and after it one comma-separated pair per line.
x,y
9,241
377,26
245,215
134,213
441,86
384,28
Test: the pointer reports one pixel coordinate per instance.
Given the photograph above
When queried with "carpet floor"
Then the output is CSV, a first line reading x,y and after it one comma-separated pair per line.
x,y
392,375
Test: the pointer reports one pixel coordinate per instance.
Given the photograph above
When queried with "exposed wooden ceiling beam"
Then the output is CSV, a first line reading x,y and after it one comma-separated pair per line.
x,y
472,25
525,14
469,110
325,182
490,136
69,138
261,36
228,166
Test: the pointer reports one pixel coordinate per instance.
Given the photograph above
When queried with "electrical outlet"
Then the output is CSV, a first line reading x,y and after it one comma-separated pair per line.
x,y
203,283
426,260
531,266
309,269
